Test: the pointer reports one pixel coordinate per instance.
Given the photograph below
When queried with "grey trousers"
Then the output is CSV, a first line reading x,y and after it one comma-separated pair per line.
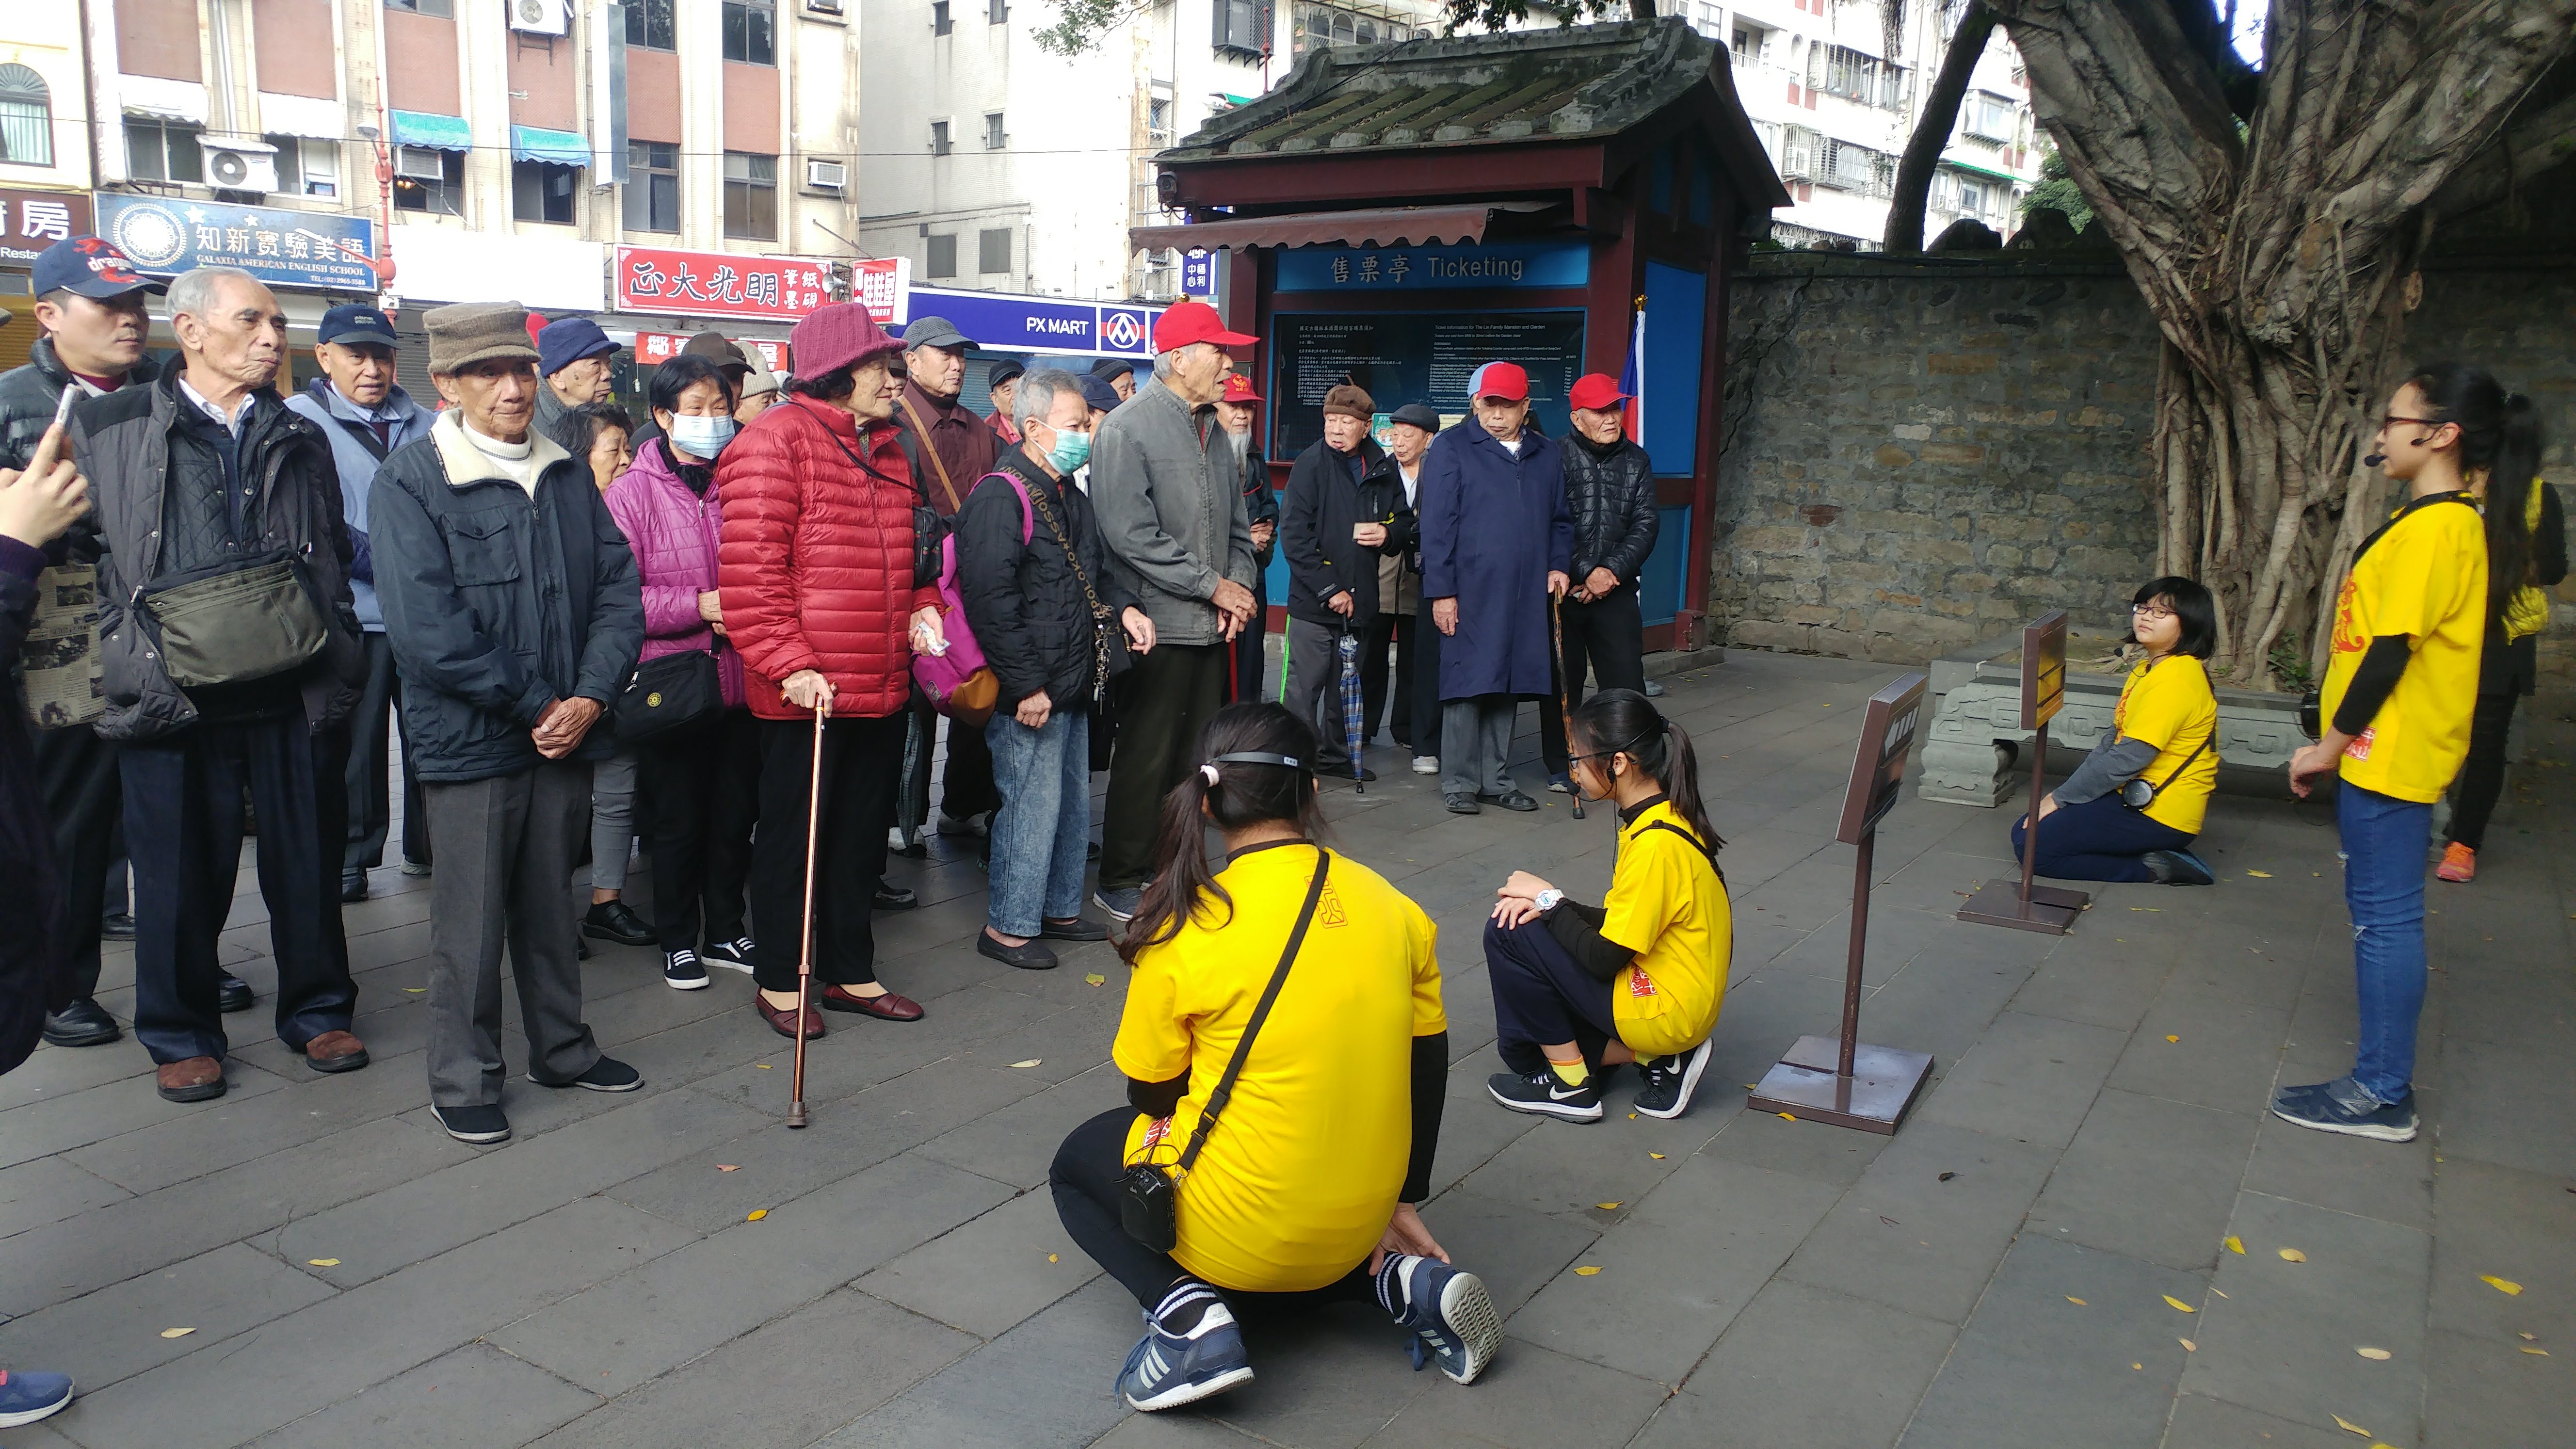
x,y
505,848
612,821
1311,685
1475,740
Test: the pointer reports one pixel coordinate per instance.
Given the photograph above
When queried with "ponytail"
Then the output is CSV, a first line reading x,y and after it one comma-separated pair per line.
x,y
2500,436
1237,794
1660,747
1680,779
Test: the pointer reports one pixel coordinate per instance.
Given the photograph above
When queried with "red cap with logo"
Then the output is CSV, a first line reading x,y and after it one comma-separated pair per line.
x,y
1597,392
1505,380
1183,323
1238,389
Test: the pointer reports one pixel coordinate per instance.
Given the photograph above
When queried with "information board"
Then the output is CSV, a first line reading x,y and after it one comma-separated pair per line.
x,y
2043,669
1878,770
1406,357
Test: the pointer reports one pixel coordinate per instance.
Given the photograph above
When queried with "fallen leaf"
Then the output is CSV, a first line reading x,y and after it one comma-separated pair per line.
x,y
2137,1366
2258,875
1945,1177
1050,1257
1607,1206
728,1167
2235,1244
2535,1352
1656,1155
1022,1066
2078,1302
323,1262
2293,1255
2505,1286
177,1332
2187,1345
2179,1306
2375,1355
1587,1271
2348,1426
2220,1292
2169,1036
1094,979
415,990
1632,1116
1751,1088
764,1066
756,1215
2528,1337
1788,1117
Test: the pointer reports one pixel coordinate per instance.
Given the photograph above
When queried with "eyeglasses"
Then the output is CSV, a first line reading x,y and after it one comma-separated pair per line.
x,y
2392,420
2152,613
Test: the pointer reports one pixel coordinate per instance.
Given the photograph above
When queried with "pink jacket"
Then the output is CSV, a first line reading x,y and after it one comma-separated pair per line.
x,y
673,533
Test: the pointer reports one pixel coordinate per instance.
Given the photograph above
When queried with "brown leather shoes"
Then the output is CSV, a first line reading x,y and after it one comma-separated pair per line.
x,y
197,1079
335,1051
889,1007
782,1019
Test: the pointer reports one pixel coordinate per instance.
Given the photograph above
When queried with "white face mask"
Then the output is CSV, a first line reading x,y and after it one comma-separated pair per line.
x,y
702,437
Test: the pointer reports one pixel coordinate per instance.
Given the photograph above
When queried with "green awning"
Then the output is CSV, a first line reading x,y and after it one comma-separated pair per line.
x,y
536,143
2003,176
433,131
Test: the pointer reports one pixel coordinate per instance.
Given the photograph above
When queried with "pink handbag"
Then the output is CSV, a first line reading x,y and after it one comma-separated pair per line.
x,y
960,684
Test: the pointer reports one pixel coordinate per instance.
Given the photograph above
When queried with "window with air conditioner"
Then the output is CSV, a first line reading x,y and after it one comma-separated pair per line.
x,y
827,175
823,7
652,186
942,261
650,25
158,150
750,32
26,117
995,138
307,165
993,251
750,196
939,145
539,17
997,12
543,191
1986,116
1243,27
429,180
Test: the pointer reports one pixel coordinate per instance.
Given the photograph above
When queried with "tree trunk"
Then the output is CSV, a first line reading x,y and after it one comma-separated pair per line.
x,y
1932,129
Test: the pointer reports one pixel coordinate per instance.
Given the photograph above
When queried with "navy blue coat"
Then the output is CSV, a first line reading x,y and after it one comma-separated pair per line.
x,y
1493,525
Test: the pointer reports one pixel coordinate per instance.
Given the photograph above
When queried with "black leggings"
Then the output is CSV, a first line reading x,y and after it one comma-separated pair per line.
x,y
2482,773
1085,1179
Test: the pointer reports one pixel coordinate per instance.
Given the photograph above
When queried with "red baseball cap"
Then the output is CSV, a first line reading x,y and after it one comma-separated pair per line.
x,y
1183,323
1238,389
1597,392
1504,380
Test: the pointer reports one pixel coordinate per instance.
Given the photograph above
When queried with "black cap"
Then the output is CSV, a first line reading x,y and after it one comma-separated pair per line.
x,y
1419,415
354,323
90,267
1004,371
1112,367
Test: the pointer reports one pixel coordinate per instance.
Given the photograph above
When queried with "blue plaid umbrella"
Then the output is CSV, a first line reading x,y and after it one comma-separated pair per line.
x,y
1351,707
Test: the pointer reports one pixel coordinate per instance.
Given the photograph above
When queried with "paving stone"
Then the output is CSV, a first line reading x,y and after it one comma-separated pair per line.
x,y
2153,1179
102,1113
2518,1226
1806,1366
987,1275
788,1382
1017,1143
2483,1393
2103,984
2031,1079
1331,1377
2227,1055
492,1189
309,1106
2031,1365
2387,1180
225,1394
2283,1339
475,1395
1566,1167
1515,1250
1530,1399
1677,1269
1179,1430
52,1071
1805,1149
49,1190
1907,1239
625,1330
2206,1423
1050,1381
116,1332
1472,1128
1937,1004
2511,1105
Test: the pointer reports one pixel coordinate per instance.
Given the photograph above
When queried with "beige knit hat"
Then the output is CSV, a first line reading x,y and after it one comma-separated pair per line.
x,y
471,332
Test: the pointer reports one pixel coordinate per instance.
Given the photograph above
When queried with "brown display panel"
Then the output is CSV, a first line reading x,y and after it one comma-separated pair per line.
x,y
2021,905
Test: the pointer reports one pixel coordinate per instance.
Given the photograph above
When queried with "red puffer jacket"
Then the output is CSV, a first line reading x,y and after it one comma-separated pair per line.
x,y
815,564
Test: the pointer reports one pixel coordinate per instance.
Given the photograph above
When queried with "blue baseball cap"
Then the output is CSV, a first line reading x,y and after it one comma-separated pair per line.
x,y
1097,392
353,323
90,266
568,340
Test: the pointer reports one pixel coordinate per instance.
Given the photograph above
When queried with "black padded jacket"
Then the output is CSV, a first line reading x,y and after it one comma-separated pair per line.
x,y
1612,498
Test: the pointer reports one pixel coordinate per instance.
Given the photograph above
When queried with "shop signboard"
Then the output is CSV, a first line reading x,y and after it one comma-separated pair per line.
x,y
1050,326
165,236
652,348
1504,265
718,284
31,221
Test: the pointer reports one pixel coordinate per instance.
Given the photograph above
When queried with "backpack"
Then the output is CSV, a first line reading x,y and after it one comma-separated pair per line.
x,y
959,683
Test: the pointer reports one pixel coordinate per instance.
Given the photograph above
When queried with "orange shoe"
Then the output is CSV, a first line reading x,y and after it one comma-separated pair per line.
x,y
2459,863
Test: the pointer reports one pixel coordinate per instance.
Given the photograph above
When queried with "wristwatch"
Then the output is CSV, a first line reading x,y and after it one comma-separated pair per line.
x,y
1547,900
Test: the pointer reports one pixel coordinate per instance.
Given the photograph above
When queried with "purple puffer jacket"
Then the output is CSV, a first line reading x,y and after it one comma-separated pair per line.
x,y
673,533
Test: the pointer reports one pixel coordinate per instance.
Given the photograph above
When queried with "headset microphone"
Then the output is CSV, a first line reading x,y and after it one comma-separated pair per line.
x,y
2373,460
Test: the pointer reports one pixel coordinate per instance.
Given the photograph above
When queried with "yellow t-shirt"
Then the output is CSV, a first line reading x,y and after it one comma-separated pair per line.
x,y
2424,576
1668,905
1303,1168
2168,703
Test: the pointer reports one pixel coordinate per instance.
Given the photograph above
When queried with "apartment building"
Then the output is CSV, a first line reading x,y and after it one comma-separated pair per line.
x,y
1834,86
44,148
995,165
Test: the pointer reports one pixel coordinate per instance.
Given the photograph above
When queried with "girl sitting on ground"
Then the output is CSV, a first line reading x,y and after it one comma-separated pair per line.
x,y
1302,1190
2130,811
1639,978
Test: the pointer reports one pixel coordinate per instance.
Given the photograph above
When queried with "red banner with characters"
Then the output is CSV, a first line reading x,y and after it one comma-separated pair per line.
x,y
720,284
658,347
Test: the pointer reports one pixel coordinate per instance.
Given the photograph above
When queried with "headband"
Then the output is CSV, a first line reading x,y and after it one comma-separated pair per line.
x,y
1248,757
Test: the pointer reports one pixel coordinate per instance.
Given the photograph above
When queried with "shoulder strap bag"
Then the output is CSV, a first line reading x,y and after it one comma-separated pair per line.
x,y
930,450
1109,652
1695,842
2138,794
1146,1196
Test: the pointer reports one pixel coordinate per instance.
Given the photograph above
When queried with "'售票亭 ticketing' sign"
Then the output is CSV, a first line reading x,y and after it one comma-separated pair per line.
x,y
1377,269
1010,322
167,236
718,284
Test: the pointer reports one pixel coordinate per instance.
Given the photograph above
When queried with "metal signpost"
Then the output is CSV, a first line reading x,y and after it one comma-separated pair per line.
x,y
1843,1081
2020,904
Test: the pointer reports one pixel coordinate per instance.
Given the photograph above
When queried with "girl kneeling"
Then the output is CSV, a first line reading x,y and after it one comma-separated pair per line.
x,y
2162,750
1302,1190
1638,978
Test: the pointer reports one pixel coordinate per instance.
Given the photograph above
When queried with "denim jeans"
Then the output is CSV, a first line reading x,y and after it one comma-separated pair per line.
x,y
2384,840
1043,829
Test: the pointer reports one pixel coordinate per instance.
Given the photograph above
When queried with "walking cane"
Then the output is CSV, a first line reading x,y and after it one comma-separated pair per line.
x,y
1564,714
805,950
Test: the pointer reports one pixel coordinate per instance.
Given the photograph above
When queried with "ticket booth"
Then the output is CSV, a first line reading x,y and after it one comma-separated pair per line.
x,y
1569,199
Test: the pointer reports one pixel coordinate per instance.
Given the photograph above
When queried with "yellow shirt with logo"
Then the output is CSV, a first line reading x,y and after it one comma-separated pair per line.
x,y
1302,1170
2168,703
2423,576
1668,905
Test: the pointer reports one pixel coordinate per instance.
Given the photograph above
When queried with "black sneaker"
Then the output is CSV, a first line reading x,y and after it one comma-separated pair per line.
x,y
1073,929
1462,804
478,1125
83,1023
2343,1108
1031,956
232,993
118,927
353,886
1544,1094
1120,902
608,1074
681,971
895,898
733,955
617,921
2178,867
1671,1080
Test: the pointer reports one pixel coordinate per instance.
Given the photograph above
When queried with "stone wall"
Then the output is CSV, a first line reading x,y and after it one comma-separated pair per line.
x,y
1920,453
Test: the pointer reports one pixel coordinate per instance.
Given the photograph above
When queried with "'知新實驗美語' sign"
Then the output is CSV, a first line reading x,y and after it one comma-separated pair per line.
x,y
1370,269
167,236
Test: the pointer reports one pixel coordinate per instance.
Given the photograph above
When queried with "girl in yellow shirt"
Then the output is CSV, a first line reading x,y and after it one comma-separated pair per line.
x,y
2131,810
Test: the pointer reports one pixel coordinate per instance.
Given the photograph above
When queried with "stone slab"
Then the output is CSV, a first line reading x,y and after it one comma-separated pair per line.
x,y
1905,1238
1806,1366
2150,1178
475,1395
115,1333
987,1275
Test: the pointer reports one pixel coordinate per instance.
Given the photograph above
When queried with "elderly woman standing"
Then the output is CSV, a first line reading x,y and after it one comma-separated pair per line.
x,y
815,588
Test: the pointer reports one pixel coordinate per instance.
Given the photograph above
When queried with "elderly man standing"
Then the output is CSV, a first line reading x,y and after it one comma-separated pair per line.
x,y
1169,495
1496,544
1239,410
1003,382
207,479
949,448
1343,495
1610,493
516,615
366,416
577,361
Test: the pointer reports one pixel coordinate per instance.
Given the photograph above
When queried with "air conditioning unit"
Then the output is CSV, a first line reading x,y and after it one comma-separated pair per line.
x,y
827,175
824,7
540,17
420,163
236,165
1797,163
